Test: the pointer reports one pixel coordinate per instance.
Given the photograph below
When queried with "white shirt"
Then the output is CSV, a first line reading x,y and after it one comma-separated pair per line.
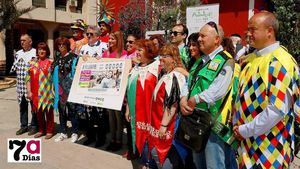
x,y
270,116
95,50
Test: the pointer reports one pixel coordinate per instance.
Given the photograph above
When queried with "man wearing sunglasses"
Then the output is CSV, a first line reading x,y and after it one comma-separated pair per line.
x,y
178,36
78,39
95,47
209,85
96,118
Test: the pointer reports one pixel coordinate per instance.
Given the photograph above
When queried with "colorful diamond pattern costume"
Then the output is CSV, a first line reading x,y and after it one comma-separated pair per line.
x,y
265,80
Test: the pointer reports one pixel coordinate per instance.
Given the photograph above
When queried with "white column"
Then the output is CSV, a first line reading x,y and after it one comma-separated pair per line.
x,y
251,9
2,53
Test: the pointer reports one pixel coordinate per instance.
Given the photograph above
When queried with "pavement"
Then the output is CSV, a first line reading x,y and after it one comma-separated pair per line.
x,y
62,155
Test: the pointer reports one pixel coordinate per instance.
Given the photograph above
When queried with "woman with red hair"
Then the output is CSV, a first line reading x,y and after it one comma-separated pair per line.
x,y
39,90
142,80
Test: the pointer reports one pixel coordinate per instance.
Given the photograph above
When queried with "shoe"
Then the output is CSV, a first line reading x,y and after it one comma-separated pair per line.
x,y
116,147
32,131
48,136
88,142
22,131
99,143
38,135
109,147
74,137
61,137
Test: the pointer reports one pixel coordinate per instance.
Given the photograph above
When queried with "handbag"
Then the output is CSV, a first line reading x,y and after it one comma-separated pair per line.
x,y
194,130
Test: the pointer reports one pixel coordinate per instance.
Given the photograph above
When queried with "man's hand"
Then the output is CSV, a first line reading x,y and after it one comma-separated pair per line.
x,y
185,109
85,57
29,95
192,103
237,134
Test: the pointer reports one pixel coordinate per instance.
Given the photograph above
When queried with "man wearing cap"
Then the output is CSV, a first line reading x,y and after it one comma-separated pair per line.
x,y
105,23
78,39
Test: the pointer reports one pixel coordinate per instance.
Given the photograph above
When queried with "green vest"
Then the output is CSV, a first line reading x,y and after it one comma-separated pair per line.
x,y
204,78
201,82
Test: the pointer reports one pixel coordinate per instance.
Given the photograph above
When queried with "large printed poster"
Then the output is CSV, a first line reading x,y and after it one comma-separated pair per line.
x,y
100,83
196,17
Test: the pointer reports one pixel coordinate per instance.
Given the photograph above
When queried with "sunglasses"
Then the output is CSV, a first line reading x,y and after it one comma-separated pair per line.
x,y
89,34
214,25
61,45
130,41
175,33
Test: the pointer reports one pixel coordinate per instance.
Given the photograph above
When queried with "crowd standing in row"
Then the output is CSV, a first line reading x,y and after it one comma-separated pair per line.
x,y
251,101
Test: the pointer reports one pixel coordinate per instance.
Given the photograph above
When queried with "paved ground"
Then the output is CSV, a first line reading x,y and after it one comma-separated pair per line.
x,y
58,155
54,155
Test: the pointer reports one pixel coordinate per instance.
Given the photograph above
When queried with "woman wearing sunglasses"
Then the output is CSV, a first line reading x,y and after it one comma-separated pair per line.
x,y
63,72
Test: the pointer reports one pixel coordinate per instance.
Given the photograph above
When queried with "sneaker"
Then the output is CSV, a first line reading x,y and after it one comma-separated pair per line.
x,y
61,137
74,137
22,131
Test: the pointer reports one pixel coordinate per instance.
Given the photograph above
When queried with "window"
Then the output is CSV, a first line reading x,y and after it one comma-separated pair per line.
x,y
39,3
60,5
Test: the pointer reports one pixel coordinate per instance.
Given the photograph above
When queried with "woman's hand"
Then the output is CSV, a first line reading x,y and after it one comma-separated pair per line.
x,y
127,115
162,132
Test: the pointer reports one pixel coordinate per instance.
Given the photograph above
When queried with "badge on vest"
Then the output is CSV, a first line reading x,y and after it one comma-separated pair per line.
x,y
213,65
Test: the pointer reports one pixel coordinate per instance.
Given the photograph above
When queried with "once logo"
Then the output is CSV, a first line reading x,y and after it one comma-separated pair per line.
x,y
24,150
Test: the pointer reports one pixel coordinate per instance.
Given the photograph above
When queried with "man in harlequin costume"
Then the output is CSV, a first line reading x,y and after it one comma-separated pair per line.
x,y
20,66
268,100
78,39
209,83
105,23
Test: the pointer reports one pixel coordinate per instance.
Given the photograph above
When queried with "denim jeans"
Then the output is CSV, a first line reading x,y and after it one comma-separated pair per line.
x,y
24,115
213,157
65,112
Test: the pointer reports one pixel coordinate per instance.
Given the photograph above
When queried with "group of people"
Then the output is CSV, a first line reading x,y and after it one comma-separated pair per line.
x,y
256,99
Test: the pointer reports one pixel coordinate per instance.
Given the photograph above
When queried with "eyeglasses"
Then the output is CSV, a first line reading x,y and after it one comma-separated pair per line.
x,y
89,34
130,41
61,45
165,55
175,33
214,25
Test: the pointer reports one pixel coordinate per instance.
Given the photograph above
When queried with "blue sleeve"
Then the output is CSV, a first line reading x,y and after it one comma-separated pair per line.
x,y
56,88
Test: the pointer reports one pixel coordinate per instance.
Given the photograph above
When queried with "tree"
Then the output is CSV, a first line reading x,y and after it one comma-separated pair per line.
x,y
288,14
168,13
136,17
9,14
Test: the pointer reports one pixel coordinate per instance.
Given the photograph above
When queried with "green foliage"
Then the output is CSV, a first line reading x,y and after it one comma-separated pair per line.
x,y
288,14
135,17
9,13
